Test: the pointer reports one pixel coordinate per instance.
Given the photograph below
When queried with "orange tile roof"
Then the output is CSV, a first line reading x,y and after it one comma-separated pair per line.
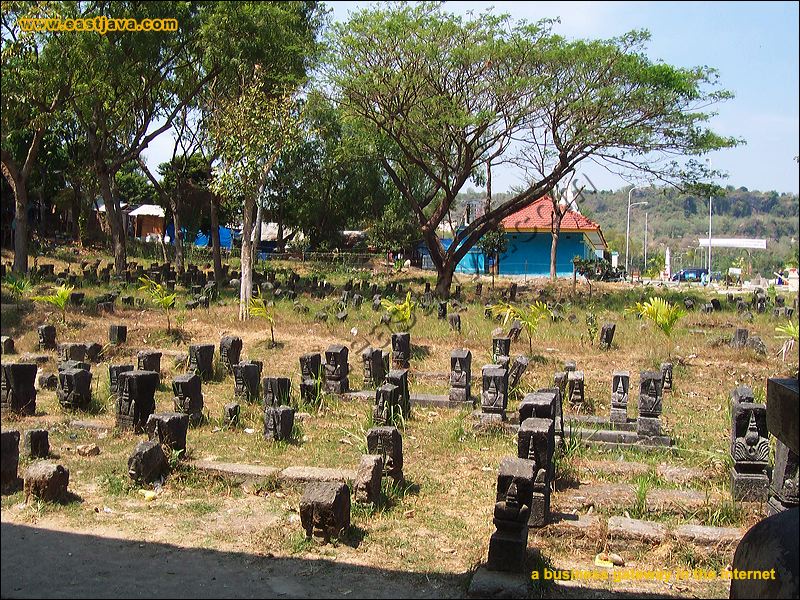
x,y
538,216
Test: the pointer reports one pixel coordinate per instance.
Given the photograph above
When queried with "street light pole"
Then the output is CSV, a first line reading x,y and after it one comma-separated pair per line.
x,y
628,229
644,269
709,238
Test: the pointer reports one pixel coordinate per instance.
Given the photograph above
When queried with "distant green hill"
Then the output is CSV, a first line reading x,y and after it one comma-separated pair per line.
x,y
677,220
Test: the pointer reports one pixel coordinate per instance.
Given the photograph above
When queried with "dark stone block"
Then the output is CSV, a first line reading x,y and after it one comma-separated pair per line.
x,y
46,481
136,399
607,334
246,381
188,396
113,376
117,334
169,429
231,413
9,461
325,509
201,360
149,360
148,462
387,442
37,443
93,351
230,351
72,351
278,423
7,345
18,388
401,350
277,391
74,389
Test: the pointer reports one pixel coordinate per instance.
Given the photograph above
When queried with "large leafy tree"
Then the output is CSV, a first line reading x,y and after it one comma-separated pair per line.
x,y
446,97
35,89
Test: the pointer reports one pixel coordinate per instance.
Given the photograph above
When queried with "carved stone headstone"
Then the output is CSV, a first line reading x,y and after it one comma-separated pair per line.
x,y
666,376
560,381
337,369
441,311
784,485
246,381
494,396
401,350
387,404
508,545
149,360
230,351
325,509
570,365
277,391
201,360
501,346
372,361
311,366
517,370
575,387
650,403
47,337
387,443
168,429
607,334
739,339
399,377
620,392
515,331
113,376
6,345
749,447
536,442
18,388
368,479
72,351
461,376
74,389
117,334
188,396
136,399
278,422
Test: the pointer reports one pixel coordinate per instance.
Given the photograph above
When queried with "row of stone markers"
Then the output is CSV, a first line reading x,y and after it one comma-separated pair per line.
x,y
499,379
524,482
750,453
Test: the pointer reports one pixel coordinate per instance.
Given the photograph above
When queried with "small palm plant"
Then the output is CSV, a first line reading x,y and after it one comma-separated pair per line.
x,y
59,299
400,312
18,286
160,297
259,308
528,317
789,333
662,313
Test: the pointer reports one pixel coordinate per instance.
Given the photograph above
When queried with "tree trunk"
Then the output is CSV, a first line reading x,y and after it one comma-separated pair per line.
x,y
444,279
215,246
246,288
176,222
281,242
76,214
21,230
257,234
555,230
115,222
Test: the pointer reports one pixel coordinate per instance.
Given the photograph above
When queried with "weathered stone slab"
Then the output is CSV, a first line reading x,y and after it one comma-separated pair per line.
x,y
235,472
623,528
37,443
169,429
498,584
9,461
702,535
367,483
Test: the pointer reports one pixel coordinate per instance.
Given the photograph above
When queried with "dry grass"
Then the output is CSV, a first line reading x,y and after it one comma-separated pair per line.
x,y
443,520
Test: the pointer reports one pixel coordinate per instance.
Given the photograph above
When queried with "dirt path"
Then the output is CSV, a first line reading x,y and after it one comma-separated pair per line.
x,y
48,563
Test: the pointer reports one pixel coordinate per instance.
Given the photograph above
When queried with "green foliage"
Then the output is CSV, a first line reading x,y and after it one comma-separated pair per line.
x,y
400,312
790,334
259,308
18,285
591,326
494,241
160,296
529,316
660,312
59,299
639,508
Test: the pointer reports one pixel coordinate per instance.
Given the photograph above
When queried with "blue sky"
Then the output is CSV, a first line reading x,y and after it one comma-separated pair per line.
x,y
754,45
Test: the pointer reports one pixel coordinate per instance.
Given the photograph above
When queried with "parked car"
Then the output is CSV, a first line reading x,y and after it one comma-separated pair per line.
x,y
693,274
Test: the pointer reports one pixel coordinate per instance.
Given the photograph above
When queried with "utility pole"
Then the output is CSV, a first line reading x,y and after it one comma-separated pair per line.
x,y
709,238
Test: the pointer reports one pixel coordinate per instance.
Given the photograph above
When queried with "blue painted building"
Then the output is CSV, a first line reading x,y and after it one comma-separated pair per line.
x,y
530,239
